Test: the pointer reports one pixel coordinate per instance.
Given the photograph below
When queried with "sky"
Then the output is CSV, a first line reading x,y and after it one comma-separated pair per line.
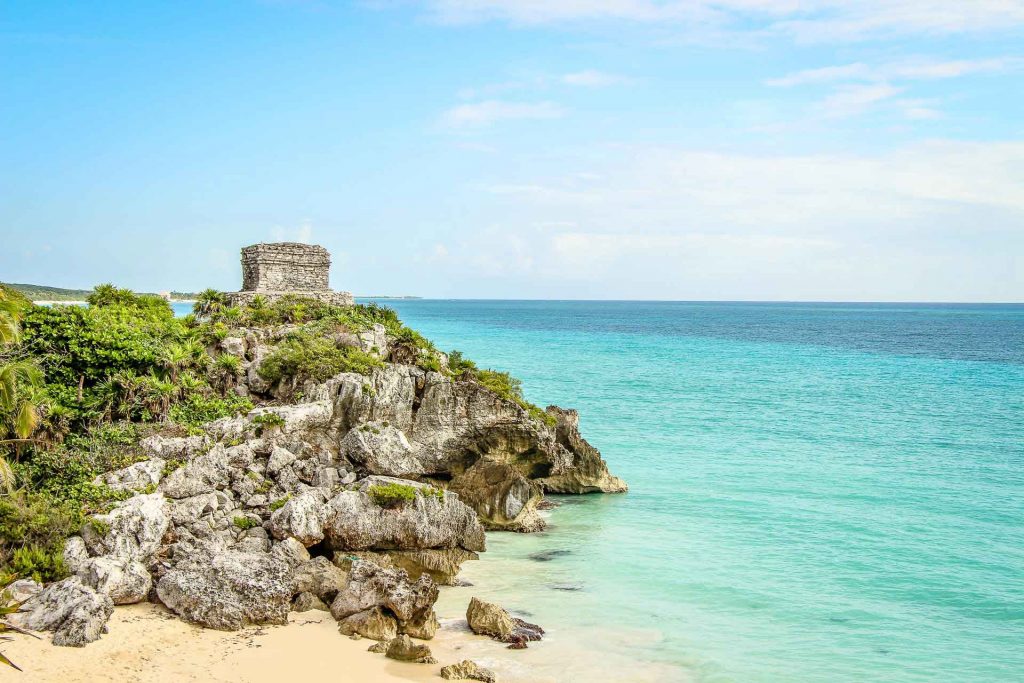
x,y
861,150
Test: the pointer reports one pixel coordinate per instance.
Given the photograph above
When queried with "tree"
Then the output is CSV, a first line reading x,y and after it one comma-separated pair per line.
x,y
21,382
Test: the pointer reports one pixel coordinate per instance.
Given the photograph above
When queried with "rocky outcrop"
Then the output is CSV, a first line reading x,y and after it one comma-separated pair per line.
x,y
385,594
226,589
125,580
355,522
301,517
75,613
133,530
442,565
488,619
137,477
467,670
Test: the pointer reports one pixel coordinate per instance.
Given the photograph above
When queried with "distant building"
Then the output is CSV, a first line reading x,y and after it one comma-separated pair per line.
x,y
287,268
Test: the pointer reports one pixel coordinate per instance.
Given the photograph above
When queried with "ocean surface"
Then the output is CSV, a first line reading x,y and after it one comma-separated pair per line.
x,y
818,492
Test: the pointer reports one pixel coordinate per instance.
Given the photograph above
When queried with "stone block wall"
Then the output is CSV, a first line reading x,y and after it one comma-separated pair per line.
x,y
286,266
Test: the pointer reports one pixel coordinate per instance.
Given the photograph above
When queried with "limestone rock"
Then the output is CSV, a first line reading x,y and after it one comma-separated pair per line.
x,y
234,346
380,647
369,585
291,552
305,602
381,449
23,589
174,448
467,670
501,495
319,577
371,623
226,589
488,619
75,613
133,530
355,522
126,581
441,564
134,477
75,554
301,518
404,650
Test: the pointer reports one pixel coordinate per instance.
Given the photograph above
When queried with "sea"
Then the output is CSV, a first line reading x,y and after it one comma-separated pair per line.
x,y
819,492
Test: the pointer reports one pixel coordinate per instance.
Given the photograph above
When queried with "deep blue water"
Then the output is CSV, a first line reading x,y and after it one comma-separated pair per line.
x,y
819,492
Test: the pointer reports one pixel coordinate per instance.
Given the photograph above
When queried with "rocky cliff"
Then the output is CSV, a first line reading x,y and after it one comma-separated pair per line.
x,y
358,494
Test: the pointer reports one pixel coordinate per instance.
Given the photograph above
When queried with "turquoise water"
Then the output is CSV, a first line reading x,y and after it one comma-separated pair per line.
x,y
818,492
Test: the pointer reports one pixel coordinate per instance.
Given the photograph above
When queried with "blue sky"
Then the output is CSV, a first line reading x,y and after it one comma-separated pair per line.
x,y
656,149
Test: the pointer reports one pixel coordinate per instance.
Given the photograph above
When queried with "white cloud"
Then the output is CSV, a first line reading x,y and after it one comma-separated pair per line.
x,y
850,100
479,114
591,78
921,69
803,20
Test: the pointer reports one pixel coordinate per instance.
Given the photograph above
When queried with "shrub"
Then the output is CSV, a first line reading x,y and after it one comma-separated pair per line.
x,y
459,365
265,421
391,495
33,527
305,356
198,409
511,389
245,523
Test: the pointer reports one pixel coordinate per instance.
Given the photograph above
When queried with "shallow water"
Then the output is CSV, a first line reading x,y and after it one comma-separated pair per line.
x,y
819,492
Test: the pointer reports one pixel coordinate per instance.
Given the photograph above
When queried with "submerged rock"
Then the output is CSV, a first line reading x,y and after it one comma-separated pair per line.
x,y
75,613
467,670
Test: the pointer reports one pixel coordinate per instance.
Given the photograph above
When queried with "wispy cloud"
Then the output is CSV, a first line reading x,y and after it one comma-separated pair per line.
x,y
851,100
801,20
920,69
480,114
591,78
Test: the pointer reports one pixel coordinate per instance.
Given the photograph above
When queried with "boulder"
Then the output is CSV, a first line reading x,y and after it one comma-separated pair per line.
x,y
125,580
23,589
319,577
467,670
355,522
180,448
75,613
226,589
370,585
290,551
204,474
488,619
132,530
371,623
135,477
301,518
75,554
305,602
442,564
404,650
381,449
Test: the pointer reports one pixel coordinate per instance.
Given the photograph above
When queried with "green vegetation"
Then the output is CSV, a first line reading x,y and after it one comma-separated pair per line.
x,y
8,606
265,421
199,409
245,523
391,495
279,503
304,355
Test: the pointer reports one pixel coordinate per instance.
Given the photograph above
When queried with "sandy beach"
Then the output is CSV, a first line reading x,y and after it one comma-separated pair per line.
x,y
148,643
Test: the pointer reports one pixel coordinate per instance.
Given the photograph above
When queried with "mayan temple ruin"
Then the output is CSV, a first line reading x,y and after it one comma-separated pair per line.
x,y
272,271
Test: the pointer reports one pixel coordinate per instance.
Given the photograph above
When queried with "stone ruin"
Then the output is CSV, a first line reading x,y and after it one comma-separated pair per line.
x,y
272,271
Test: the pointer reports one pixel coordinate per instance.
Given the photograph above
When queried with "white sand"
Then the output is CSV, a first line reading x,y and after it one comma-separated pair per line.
x,y
147,643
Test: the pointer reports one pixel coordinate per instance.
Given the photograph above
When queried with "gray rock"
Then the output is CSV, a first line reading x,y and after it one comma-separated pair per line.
x,y
134,477
226,589
319,577
301,517
488,619
204,474
467,670
75,554
126,581
23,589
134,529
291,552
175,448
279,459
369,586
381,450
75,613
234,346
501,495
404,650
355,522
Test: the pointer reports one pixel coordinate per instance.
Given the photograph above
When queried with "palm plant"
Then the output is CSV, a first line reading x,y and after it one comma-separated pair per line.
x,y
20,385
208,303
176,358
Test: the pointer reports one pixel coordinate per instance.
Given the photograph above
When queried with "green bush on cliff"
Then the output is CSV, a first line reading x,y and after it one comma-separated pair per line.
x,y
307,356
32,532
198,409
511,389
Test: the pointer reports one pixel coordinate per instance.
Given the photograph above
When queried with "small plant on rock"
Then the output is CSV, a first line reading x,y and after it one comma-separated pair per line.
x,y
265,421
279,503
245,523
391,495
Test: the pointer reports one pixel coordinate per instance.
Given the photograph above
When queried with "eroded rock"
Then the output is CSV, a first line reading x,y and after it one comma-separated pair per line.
x,y
467,670
75,613
488,619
